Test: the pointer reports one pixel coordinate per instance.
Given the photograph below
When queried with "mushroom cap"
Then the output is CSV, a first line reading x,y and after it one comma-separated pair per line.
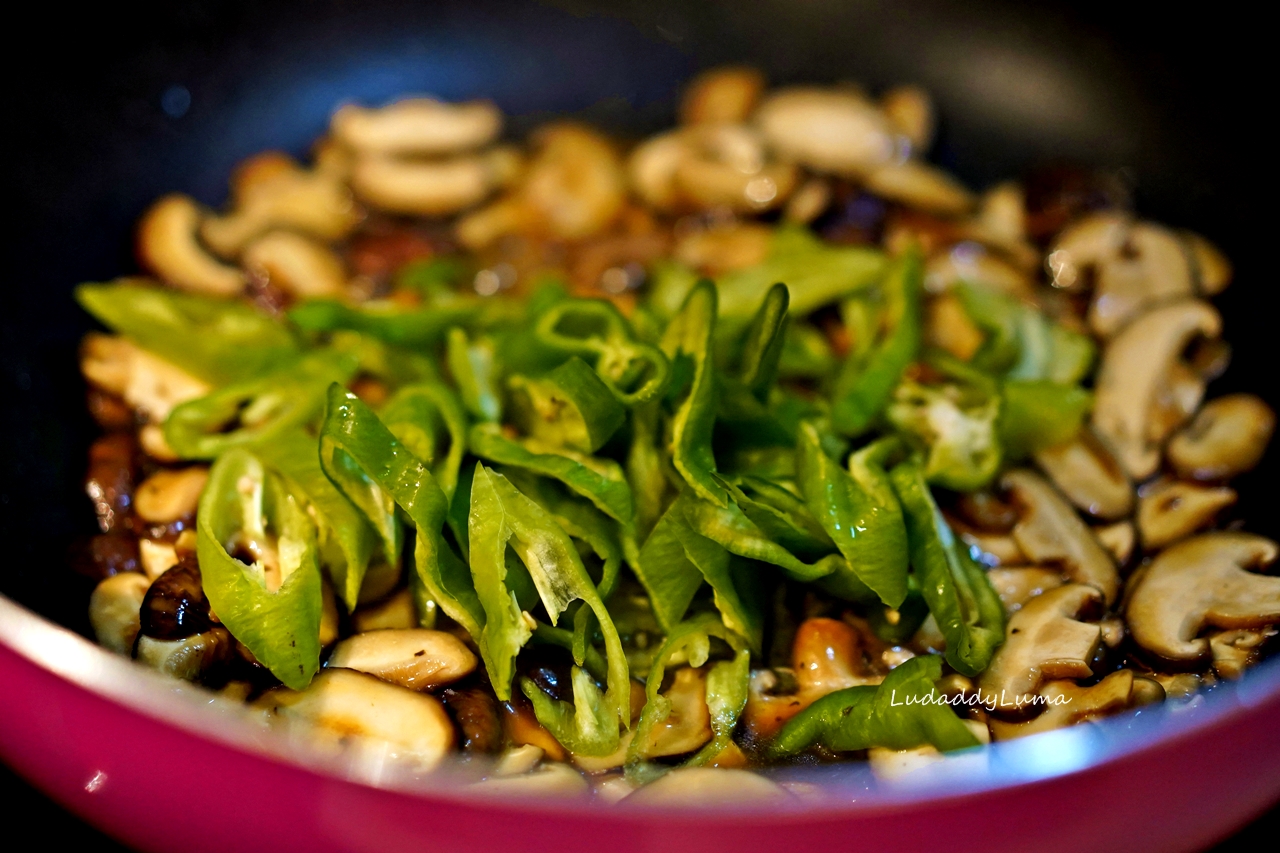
x,y
1199,582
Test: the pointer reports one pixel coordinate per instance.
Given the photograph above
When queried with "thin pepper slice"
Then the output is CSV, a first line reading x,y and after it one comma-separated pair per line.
x,y
957,590
687,342
353,441
1022,343
471,363
902,712
728,684
593,329
957,424
256,411
393,324
570,406
1037,415
218,340
763,343
412,414
587,726
862,389
644,467
782,516
859,511
273,604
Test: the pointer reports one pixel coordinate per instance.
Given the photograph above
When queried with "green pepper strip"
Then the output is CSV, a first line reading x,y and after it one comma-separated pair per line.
x,y
415,328
502,516
345,539
688,339
863,389
781,516
644,467
387,469
728,684
692,638
261,408
411,413
1037,415
218,340
902,712
859,511
957,590
762,346
1022,343
570,406
595,330
472,368
245,508
587,726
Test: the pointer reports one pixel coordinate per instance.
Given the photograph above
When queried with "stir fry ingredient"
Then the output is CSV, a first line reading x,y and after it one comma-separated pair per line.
x,y
760,441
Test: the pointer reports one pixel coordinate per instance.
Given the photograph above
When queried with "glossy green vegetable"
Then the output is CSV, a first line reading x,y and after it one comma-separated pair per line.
x,y
728,683
956,425
594,330
414,415
587,726
644,467
272,604
966,608
218,340
471,365
256,411
1037,415
393,324
569,407
763,343
1023,343
902,712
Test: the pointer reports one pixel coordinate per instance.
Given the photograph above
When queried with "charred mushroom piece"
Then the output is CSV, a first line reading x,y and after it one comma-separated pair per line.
x,y
417,126
827,656
1234,651
476,711
113,610
1066,703
415,658
168,246
827,130
1199,582
1086,472
1044,640
1169,510
1227,437
1135,370
175,605
351,705
1016,585
1051,532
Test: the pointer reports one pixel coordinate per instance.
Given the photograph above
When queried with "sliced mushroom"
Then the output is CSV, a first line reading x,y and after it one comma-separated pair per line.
x,y
808,202
688,726
114,607
553,779
397,611
299,265
1135,368
1051,532
1181,685
1002,220
970,262
1149,268
1169,510
1084,245
153,443
1087,473
697,787
827,130
826,656
1044,640
411,657
168,496
272,191
1212,269
1234,651
652,167
919,185
998,549
723,248
910,111
1227,437
476,711
156,557
1119,539
429,187
725,95
520,726
147,383
169,247
1066,703
352,705
726,167
187,658
948,326
418,126
1200,582
1016,585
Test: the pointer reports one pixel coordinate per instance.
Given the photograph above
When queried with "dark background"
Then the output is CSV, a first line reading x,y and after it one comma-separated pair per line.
x,y
111,106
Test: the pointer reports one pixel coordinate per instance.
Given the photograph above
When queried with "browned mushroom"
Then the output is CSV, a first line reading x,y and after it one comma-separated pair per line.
x,y
299,265
168,246
1169,510
417,126
149,384
1086,472
1016,585
724,95
1226,437
1066,703
827,130
910,111
114,610
1234,651
415,657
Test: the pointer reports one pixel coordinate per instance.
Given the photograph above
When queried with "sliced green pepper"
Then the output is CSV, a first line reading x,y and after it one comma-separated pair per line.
x,y
1022,343
902,712
246,510
412,414
587,726
645,468
957,590
762,346
1037,415
570,407
593,329
471,365
406,327
957,425
782,516
728,684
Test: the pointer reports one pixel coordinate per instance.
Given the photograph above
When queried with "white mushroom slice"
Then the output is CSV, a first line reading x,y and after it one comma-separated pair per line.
x,y
272,191
154,444
168,246
1151,267
114,610
1135,368
416,658
1234,651
418,126
552,779
1227,437
808,202
998,549
724,248
970,262
1049,531
301,266
652,167
424,187
698,787
1085,244
1066,703
168,496
1202,582
146,382
921,186
826,130
186,658
517,761
721,96
351,705
1113,631
397,611
1002,216
156,557
1119,539
1044,640
1213,270
1169,510
727,168
1016,585
910,111
1088,474
688,726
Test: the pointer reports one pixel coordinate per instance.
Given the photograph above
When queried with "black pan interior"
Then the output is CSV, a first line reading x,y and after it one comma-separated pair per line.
x,y
112,106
